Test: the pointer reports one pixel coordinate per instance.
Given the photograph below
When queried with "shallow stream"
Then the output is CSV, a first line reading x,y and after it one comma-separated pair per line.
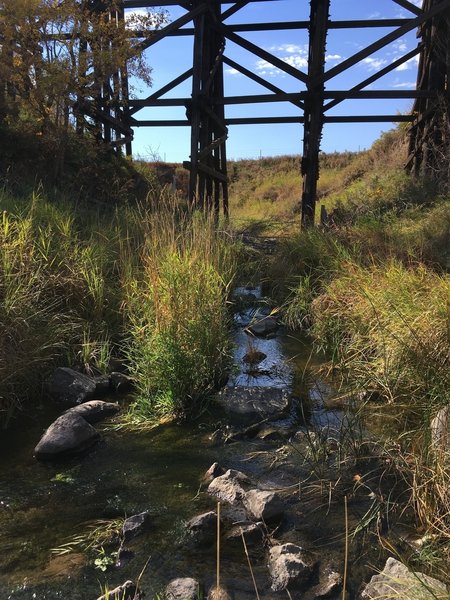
x,y
43,506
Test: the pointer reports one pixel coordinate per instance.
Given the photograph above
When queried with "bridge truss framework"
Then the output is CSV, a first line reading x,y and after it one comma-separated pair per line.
x,y
206,21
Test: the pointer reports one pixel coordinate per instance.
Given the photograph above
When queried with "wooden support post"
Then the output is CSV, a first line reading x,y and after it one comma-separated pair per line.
x,y
206,114
314,108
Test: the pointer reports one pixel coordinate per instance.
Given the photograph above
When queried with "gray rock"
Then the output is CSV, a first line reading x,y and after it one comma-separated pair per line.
x,y
135,525
264,327
120,382
263,505
330,585
184,588
252,532
69,434
126,591
396,581
228,488
289,567
94,410
102,385
252,404
215,470
203,527
70,387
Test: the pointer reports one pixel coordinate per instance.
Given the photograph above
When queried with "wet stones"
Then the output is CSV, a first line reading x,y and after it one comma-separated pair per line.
x,y
203,527
264,327
329,586
135,525
228,487
70,387
94,411
396,581
250,404
183,588
289,567
215,470
252,532
263,505
69,434
72,433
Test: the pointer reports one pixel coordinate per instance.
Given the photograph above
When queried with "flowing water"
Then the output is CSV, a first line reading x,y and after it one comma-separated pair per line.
x,y
44,505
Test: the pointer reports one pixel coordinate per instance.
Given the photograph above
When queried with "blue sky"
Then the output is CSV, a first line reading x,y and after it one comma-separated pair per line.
x,y
172,56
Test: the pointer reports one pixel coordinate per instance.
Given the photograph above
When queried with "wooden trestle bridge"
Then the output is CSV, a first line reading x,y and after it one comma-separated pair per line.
x,y
208,22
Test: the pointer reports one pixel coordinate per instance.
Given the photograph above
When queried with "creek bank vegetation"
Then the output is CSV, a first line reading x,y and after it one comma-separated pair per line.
x,y
371,287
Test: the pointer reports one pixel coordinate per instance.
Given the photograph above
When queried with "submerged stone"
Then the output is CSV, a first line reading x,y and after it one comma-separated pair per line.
x,y
69,434
264,327
135,525
253,404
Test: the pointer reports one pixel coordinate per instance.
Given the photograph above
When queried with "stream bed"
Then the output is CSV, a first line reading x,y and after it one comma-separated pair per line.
x,y
44,505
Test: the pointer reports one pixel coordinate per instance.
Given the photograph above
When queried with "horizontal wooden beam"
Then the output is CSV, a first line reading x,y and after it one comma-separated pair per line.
x,y
294,98
158,3
291,25
287,120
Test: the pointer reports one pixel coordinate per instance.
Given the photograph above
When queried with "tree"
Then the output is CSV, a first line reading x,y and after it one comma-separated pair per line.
x,y
62,60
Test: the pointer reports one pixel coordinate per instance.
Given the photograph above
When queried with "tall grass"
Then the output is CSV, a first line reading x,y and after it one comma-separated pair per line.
x,y
78,285
180,345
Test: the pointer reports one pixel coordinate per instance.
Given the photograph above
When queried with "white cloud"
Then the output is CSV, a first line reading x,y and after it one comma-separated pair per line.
x,y
374,64
410,85
290,49
292,54
409,64
233,72
329,57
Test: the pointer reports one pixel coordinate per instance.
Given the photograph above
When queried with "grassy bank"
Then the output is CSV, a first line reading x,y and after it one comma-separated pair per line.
x,y
80,284
372,288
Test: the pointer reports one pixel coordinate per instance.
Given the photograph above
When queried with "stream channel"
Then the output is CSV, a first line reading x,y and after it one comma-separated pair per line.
x,y
44,505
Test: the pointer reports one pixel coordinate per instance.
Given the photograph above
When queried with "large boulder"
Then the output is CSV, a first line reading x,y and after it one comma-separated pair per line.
x,y
70,387
396,581
228,487
263,505
289,567
183,588
252,404
69,434
94,411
